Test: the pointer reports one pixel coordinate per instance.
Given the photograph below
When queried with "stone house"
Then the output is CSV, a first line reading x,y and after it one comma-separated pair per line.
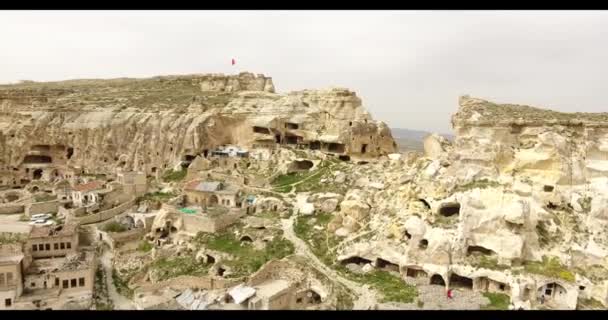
x,y
212,193
87,193
53,241
11,284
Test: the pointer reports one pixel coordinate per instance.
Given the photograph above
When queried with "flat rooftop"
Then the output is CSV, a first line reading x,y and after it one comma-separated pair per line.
x,y
67,229
77,261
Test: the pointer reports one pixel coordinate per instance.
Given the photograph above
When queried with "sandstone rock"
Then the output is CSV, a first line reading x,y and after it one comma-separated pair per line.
x,y
329,205
355,209
353,267
394,156
367,268
340,178
342,232
377,185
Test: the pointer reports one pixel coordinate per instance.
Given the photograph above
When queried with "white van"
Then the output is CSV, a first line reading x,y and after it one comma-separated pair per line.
x,y
40,216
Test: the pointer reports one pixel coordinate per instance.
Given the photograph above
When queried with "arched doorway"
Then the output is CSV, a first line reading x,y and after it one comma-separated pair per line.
x,y
553,292
213,200
437,280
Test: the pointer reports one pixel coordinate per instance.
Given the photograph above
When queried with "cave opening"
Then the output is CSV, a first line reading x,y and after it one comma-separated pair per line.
x,y
303,164
479,250
387,265
437,280
423,244
36,159
262,130
425,203
344,158
449,209
407,235
246,239
548,188
70,153
37,174
335,147
356,260
416,273
292,139
364,148
457,281
291,125
315,145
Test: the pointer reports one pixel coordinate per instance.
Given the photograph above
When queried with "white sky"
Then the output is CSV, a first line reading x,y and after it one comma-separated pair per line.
x,y
409,67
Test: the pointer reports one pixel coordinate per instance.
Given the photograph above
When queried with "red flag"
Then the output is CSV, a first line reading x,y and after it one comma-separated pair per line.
x,y
233,62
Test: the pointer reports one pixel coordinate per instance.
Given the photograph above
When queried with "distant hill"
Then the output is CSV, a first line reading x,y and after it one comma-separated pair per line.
x,y
409,140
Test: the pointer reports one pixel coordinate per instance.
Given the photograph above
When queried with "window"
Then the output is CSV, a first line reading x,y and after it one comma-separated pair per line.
x,y
73,283
62,245
56,246
47,246
65,284
7,302
9,278
41,247
68,245
34,247
33,284
57,282
81,282
502,287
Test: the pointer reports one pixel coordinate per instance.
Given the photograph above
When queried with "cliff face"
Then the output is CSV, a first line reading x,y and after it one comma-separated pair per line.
x,y
518,184
151,124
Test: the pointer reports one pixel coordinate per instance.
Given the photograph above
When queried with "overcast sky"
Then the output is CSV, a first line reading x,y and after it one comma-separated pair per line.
x,y
409,67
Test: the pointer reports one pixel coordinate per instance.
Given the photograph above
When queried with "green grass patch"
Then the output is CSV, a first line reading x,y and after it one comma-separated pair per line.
x,y
12,238
590,304
344,300
167,268
320,241
246,259
488,263
114,227
174,176
288,179
498,301
283,189
392,288
122,285
550,267
144,246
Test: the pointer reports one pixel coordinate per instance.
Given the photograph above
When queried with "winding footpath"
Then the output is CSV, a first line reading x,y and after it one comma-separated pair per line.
x,y
366,297
120,302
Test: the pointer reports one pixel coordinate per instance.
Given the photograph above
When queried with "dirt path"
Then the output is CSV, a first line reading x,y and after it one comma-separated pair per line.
x,y
120,302
366,298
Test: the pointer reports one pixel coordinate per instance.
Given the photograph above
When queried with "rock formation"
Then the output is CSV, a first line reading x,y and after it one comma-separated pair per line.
x,y
53,129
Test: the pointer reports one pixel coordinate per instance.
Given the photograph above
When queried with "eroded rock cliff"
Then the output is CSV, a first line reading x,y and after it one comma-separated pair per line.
x,y
52,129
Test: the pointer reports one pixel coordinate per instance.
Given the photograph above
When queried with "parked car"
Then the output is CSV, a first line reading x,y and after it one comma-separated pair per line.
x,y
40,216
42,222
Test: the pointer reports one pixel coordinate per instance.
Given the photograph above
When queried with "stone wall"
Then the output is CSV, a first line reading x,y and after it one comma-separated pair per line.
x,y
107,214
117,239
192,282
12,208
42,207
